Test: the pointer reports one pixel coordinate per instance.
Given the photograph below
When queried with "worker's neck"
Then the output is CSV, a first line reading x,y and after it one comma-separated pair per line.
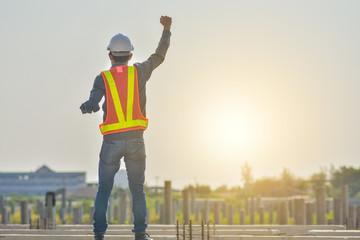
x,y
113,64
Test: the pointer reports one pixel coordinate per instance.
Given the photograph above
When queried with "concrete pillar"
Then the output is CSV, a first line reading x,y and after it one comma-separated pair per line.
x,y
291,208
192,200
147,215
62,214
40,209
258,204
247,206
252,211
168,203
299,211
205,211
131,213
271,213
224,208
262,214
77,215
358,216
197,213
242,217
283,213
230,217
352,216
4,215
186,206
162,214
123,207
337,211
239,207
91,214
50,210
116,213
217,213
2,202
110,210
320,206
309,213
12,209
175,209
329,206
70,208
63,206
345,203
24,212
157,207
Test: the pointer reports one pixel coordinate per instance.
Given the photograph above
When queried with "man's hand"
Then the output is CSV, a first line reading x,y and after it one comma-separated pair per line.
x,y
166,22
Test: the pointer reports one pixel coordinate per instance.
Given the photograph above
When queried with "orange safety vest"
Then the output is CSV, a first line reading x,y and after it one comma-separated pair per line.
x,y
123,104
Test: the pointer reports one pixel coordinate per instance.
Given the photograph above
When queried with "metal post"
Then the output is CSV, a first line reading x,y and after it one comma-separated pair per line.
x,y
184,231
202,230
190,225
177,229
208,230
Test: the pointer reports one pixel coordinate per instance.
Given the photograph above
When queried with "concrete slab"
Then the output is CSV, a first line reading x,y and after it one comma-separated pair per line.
x,y
73,237
168,232
162,237
334,233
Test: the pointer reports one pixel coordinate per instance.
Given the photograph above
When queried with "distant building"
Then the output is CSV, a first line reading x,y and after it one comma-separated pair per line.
x,y
40,181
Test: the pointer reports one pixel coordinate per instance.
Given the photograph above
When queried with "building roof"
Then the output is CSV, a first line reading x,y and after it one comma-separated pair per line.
x,y
44,169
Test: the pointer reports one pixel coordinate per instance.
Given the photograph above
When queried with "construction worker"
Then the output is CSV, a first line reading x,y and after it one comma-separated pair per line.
x,y
124,123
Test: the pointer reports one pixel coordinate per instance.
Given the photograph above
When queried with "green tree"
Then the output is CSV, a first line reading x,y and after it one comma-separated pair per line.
x,y
202,189
346,175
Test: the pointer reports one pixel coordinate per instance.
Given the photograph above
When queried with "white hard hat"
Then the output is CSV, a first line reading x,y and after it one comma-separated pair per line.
x,y
120,45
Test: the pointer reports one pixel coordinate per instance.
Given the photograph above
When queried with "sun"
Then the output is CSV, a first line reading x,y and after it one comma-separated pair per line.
x,y
233,129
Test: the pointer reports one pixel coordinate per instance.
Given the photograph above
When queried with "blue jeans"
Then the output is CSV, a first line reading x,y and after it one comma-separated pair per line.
x,y
112,151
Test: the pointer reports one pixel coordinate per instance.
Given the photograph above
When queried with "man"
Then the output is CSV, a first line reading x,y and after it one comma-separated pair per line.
x,y
124,123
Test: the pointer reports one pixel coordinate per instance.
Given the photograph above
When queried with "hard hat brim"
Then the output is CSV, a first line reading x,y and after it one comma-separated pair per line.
x,y
120,54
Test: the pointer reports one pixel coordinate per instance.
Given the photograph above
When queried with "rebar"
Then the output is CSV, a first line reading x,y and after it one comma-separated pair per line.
x,y
177,230
208,230
184,230
190,230
202,230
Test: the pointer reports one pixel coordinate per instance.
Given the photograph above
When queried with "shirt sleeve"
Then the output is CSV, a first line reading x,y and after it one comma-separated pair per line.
x,y
145,68
96,94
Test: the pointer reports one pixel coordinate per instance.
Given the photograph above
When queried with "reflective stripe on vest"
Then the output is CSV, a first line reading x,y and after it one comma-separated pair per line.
x,y
122,124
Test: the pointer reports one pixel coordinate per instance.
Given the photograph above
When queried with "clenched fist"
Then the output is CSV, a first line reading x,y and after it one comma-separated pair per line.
x,y
166,22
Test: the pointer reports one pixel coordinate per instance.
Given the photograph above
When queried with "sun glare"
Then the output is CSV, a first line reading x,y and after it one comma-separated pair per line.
x,y
235,130
232,132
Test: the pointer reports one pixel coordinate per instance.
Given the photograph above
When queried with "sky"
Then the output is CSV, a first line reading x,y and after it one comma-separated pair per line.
x,y
273,83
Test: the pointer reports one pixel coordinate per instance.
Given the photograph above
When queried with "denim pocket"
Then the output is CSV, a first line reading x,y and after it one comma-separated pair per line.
x,y
110,152
135,149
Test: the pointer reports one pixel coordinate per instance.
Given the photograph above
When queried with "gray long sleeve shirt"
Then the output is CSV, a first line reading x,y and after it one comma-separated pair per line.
x,y
144,70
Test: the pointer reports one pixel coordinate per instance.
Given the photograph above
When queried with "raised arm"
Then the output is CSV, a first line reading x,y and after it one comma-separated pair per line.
x,y
145,68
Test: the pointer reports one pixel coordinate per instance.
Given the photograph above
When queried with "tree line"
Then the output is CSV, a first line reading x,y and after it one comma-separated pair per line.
x,y
287,184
